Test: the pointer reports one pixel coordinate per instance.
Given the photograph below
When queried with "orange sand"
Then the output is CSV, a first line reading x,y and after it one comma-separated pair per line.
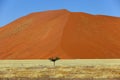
x,y
68,35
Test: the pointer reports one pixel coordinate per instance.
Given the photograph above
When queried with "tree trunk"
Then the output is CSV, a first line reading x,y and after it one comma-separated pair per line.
x,y
54,64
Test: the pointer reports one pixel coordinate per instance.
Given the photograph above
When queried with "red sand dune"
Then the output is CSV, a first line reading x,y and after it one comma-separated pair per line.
x,y
69,35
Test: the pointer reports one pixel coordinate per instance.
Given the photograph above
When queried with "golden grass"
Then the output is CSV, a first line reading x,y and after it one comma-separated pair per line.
x,y
68,71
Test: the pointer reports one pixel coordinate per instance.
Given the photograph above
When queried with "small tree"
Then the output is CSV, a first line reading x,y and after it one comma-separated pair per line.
x,y
54,60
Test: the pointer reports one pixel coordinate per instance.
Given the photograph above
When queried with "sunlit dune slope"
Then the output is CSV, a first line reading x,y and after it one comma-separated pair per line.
x,y
68,35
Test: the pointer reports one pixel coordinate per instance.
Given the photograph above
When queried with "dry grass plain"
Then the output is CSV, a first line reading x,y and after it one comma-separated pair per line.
x,y
77,69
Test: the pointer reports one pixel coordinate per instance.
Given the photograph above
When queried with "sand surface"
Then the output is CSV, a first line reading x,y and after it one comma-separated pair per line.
x,y
68,35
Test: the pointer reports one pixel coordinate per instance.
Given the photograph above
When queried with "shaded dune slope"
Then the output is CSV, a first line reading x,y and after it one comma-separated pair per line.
x,y
69,35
